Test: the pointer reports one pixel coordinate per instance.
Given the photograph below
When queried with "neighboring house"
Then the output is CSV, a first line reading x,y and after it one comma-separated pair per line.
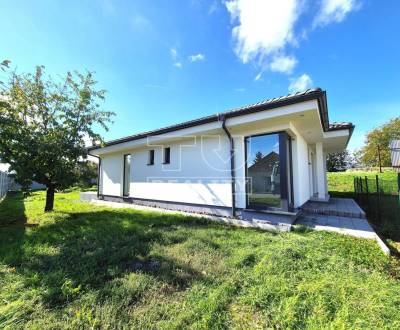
x,y
394,146
189,166
263,179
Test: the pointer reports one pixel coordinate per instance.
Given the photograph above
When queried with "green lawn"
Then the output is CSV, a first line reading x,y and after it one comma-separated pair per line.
x,y
92,267
385,216
344,181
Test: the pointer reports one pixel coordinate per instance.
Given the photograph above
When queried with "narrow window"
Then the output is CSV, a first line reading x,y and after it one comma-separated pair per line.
x,y
127,174
167,155
151,158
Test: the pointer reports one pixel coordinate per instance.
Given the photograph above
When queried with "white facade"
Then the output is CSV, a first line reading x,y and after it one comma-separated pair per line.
x,y
199,171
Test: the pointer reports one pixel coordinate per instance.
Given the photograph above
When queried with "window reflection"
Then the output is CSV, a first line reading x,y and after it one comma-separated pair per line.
x,y
263,171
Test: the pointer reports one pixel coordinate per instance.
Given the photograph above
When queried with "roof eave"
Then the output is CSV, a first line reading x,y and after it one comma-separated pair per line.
x,y
317,94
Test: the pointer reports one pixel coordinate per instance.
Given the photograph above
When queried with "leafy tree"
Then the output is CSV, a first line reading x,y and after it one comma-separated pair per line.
x,y
355,159
259,157
378,139
338,161
86,174
43,125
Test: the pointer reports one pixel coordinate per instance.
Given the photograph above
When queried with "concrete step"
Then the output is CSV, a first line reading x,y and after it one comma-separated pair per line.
x,y
340,207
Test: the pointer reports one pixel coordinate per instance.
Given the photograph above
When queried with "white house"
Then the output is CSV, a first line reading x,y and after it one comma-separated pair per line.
x,y
203,165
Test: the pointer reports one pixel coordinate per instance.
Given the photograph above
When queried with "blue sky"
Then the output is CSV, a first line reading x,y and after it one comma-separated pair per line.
x,y
164,62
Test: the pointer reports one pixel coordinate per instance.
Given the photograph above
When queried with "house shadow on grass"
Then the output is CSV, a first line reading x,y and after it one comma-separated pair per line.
x,y
85,251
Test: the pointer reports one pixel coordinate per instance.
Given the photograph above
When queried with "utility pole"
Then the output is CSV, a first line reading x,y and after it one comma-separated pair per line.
x,y
379,158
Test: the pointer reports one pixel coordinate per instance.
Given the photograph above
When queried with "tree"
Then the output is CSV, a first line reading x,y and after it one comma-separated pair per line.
x,y
355,159
86,174
259,157
337,162
378,140
43,125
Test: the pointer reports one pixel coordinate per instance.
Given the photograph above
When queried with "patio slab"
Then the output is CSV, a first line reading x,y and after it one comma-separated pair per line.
x,y
342,207
344,225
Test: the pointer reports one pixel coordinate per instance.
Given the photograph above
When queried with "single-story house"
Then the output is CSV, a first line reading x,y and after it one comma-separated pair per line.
x,y
209,165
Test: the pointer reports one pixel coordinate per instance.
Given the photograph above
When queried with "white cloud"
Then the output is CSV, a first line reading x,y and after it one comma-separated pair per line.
x,y
300,83
284,64
258,76
174,53
334,11
197,58
263,28
263,31
175,58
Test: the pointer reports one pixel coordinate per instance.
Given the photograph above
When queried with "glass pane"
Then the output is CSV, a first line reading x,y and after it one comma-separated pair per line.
x,y
127,174
263,171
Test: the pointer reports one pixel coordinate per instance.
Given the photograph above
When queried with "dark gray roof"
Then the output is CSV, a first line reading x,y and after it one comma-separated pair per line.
x,y
310,94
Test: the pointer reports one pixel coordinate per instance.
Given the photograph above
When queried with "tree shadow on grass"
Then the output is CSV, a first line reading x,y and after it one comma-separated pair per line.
x,y
12,210
85,251
13,223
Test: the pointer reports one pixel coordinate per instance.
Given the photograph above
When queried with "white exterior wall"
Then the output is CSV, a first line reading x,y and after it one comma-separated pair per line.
x,y
198,173
111,174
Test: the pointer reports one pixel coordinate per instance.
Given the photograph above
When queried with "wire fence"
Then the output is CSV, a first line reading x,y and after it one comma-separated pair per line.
x,y
380,199
5,183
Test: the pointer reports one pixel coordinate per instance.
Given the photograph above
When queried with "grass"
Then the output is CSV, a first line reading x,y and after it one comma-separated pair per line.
x,y
383,212
343,181
93,267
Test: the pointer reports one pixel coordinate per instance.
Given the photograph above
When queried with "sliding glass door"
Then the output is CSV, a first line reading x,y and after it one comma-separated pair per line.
x,y
268,171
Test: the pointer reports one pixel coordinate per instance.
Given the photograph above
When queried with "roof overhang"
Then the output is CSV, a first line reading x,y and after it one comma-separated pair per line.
x,y
272,109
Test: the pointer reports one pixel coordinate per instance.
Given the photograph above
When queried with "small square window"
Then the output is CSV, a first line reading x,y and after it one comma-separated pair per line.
x,y
167,155
151,158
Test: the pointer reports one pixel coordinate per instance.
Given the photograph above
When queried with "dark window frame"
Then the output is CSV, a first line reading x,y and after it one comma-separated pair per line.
x,y
286,181
167,155
151,157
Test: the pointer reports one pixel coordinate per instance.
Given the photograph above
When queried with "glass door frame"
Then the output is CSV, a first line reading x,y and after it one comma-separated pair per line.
x,y
285,172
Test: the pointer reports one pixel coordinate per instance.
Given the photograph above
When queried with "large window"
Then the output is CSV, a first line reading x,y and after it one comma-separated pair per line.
x,y
127,175
268,171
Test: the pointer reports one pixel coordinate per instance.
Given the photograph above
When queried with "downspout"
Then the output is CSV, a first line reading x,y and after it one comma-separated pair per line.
x,y
232,155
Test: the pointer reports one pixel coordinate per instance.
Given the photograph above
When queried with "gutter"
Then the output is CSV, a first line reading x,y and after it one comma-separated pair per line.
x,y
232,155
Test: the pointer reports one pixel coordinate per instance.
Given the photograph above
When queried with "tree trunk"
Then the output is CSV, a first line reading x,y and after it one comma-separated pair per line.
x,y
49,199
